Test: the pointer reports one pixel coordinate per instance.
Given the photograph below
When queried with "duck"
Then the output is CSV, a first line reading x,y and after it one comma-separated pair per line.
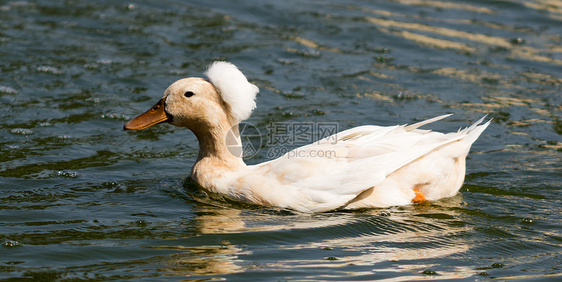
x,y
368,166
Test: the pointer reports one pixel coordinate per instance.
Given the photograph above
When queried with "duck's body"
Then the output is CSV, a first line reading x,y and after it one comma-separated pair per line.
x,y
363,167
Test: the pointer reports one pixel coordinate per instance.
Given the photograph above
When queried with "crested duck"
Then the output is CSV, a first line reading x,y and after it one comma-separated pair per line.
x,y
371,166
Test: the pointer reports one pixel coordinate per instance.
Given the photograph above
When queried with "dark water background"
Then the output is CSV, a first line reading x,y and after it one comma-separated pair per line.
x,y
82,200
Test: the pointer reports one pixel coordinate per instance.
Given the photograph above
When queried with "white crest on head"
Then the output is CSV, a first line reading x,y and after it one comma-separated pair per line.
x,y
234,89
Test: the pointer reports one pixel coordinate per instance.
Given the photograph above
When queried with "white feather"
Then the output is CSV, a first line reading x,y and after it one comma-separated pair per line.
x,y
234,89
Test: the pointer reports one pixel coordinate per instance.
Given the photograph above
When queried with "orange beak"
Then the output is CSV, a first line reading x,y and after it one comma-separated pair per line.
x,y
154,116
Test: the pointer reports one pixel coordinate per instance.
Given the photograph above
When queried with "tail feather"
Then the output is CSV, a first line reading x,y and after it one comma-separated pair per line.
x,y
422,123
473,132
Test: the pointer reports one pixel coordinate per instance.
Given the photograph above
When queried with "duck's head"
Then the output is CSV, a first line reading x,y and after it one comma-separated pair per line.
x,y
224,100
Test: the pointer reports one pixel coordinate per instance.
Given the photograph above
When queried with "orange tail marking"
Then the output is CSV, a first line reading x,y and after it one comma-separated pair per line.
x,y
419,198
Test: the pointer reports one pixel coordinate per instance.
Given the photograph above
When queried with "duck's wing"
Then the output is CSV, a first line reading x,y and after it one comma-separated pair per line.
x,y
329,173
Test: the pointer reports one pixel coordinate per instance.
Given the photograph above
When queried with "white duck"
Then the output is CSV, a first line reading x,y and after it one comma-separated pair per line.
x,y
369,166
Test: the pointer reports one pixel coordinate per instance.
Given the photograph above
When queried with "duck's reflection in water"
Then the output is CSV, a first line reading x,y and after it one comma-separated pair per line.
x,y
406,237
202,260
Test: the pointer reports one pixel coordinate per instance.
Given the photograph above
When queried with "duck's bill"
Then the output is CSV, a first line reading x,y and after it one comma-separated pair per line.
x,y
154,116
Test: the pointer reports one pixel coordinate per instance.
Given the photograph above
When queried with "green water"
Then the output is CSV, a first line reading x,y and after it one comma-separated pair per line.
x,y
80,199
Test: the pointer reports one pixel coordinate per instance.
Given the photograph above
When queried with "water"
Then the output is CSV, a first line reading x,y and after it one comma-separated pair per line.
x,y
83,200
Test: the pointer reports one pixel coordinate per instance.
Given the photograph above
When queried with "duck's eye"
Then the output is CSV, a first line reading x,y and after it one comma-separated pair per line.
x,y
188,94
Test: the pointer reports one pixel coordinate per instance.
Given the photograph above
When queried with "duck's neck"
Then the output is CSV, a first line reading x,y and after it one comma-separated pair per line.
x,y
220,146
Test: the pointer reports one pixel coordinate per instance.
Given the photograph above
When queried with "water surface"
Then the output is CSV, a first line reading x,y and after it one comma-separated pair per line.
x,y
82,200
